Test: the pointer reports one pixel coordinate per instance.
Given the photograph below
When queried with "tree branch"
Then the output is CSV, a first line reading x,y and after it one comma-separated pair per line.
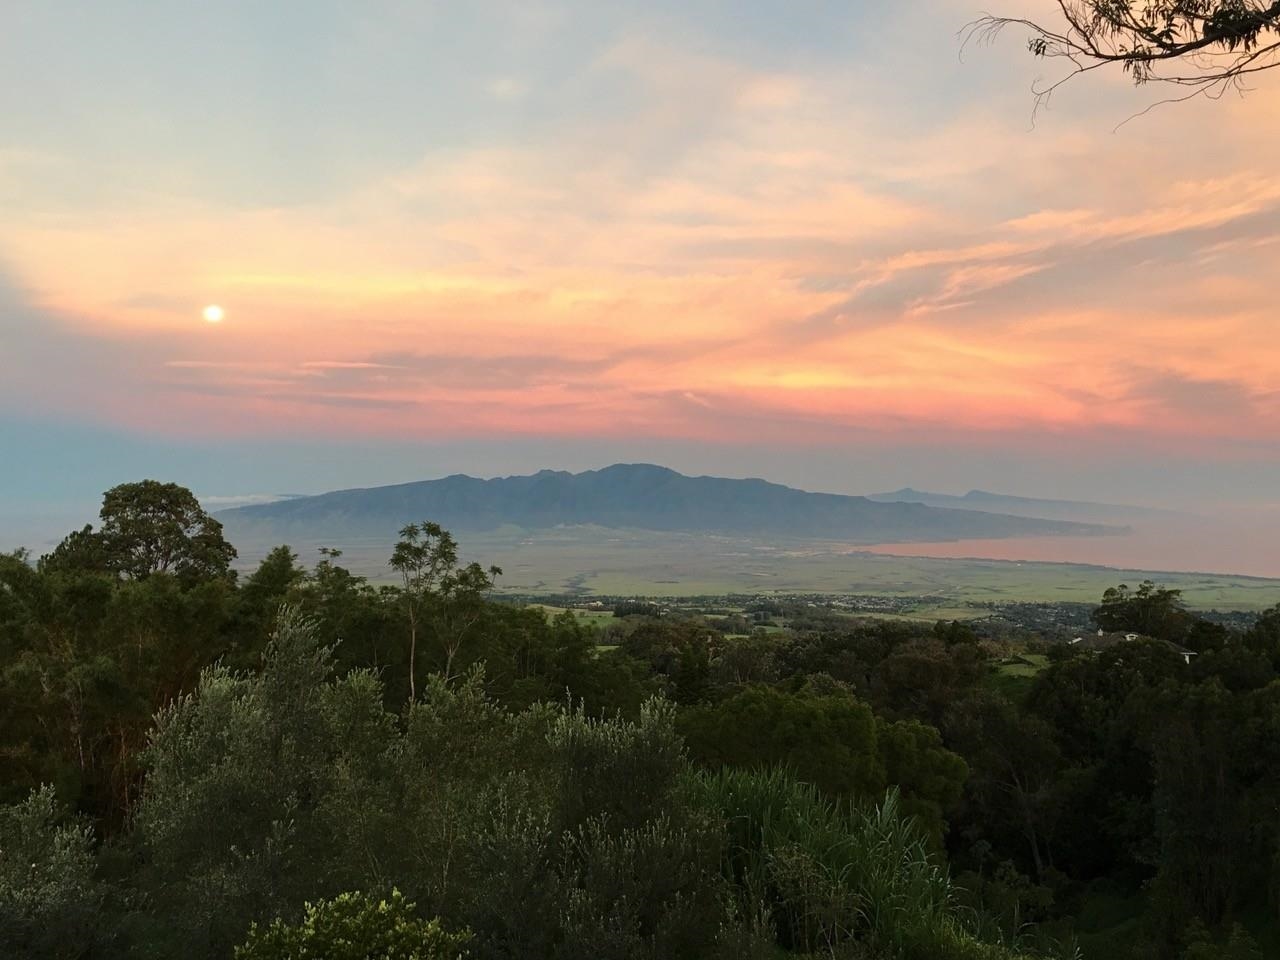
x,y
1221,40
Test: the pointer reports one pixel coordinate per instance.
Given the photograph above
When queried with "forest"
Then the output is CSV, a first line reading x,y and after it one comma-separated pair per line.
x,y
293,762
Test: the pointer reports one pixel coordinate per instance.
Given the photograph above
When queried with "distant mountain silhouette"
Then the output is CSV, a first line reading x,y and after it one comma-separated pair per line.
x,y
635,496
1075,510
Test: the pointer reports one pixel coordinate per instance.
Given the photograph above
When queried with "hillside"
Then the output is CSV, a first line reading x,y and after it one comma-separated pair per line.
x,y
634,496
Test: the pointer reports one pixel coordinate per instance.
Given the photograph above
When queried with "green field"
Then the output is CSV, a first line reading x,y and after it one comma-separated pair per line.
x,y
587,561
1024,665
590,618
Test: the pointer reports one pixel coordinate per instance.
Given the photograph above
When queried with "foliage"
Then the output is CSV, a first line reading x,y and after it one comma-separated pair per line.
x,y
929,778
529,828
1201,945
232,822
354,926
819,875
51,902
87,660
679,652
246,747
146,528
1207,45
1151,611
426,557
829,741
274,582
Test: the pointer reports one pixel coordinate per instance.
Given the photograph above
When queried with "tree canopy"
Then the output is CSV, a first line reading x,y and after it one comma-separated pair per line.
x,y
185,754
147,528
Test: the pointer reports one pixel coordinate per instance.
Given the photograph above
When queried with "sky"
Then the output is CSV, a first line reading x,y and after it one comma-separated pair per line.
x,y
815,242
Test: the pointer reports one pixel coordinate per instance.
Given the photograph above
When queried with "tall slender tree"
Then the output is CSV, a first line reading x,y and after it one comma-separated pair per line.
x,y
426,557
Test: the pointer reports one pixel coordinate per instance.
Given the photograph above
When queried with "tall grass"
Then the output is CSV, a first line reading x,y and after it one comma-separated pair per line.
x,y
823,877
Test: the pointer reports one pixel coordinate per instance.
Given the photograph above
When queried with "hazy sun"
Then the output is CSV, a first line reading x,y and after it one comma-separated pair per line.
x,y
213,313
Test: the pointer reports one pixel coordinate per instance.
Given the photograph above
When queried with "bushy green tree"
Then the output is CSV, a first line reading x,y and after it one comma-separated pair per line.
x,y
1013,763
829,741
1264,636
929,778
275,582
676,651
270,790
1150,610
233,823
148,527
921,678
51,903
354,926
744,660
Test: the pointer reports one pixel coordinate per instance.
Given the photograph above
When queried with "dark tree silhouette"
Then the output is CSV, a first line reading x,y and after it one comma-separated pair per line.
x,y
1208,46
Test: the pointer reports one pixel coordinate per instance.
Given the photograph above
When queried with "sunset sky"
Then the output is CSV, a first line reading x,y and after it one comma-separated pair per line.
x,y
807,241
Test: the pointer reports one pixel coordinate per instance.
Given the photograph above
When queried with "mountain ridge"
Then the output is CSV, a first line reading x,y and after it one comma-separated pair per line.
x,y
637,496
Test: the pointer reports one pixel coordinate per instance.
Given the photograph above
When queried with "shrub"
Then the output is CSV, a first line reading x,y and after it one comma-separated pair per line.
x,y
50,901
354,926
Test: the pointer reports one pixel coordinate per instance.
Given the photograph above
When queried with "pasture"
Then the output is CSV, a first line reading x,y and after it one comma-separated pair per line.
x,y
588,561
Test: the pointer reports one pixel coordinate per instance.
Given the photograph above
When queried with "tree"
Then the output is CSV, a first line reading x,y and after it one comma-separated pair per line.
x,y
1206,45
80,551
50,902
1013,765
742,660
1264,636
678,651
278,573
922,678
1201,945
460,604
277,580
423,553
239,819
85,660
426,557
148,528
1203,824
354,926
929,777
1150,610
829,741
151,527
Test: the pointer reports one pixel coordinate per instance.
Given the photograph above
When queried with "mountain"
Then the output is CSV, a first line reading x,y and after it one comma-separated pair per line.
x,y
1074,510
636,496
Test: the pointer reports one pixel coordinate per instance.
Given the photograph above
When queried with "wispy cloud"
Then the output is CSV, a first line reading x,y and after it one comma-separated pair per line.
x,y
663,225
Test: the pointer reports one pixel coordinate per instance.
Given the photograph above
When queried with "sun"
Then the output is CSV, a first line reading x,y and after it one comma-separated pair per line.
x,y
213,313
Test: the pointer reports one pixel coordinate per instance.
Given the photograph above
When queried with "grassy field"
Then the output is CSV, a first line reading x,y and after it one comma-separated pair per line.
x,y
1024,665
590,561
933,612
590,618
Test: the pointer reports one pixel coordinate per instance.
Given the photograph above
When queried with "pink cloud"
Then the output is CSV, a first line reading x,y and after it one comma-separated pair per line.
x,y
748,253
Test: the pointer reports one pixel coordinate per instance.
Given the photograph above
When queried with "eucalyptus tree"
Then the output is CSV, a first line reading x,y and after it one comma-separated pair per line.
x,y
1206,46
426,557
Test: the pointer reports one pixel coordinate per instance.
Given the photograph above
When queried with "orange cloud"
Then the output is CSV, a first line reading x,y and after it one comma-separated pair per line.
x,y
745,253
